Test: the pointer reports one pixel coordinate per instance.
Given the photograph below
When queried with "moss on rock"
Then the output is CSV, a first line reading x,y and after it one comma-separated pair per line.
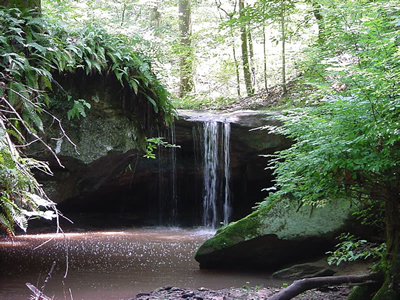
x,y
276,234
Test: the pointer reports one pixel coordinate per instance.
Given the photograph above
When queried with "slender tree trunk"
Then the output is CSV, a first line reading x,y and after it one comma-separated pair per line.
x,y
186,56
319,17
265,59
283,33
155,17
245,52
123,14
23,4
236,68
390,290
230,16
251,57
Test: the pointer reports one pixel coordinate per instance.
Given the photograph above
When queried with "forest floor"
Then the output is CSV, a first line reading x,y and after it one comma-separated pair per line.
x,y
170,293
262,292
297,94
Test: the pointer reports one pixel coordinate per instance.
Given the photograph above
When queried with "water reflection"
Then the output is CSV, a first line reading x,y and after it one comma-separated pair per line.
x,y
110,265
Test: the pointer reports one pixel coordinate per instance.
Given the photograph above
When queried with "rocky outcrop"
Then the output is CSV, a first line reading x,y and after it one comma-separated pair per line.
x,y
107,181
276,235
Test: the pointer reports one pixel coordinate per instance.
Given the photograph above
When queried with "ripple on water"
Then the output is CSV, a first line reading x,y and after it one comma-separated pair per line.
x,y
108,265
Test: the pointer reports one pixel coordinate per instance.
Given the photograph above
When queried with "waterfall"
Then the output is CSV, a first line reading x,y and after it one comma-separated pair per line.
x,y
167,180
215,159
210,157
227,163
174,177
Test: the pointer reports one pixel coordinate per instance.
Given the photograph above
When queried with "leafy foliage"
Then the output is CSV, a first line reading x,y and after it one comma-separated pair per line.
x,y
155,143
347,145
21,197
78,109
351,248
32,51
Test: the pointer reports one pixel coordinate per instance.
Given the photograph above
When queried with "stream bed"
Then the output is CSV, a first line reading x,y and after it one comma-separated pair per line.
x,y
111,264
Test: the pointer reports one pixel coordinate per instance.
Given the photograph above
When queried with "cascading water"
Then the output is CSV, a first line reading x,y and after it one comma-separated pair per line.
x,y
210,157
174,177
216,155
227,163
167,180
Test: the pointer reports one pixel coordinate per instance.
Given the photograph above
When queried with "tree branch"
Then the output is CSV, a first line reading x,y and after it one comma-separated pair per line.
x,y
300,286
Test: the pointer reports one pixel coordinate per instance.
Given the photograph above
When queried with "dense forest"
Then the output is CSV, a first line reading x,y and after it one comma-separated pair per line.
x,y
334,65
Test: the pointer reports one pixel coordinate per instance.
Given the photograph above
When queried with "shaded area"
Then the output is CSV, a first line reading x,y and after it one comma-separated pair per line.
x,y
125,189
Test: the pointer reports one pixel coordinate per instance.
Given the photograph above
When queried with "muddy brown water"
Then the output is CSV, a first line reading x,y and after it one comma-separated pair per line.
x,y
111,264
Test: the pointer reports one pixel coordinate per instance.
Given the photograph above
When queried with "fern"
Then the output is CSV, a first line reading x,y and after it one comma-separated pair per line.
x,y
7,224
31,51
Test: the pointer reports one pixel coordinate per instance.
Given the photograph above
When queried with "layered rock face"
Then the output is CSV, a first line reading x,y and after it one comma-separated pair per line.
x,y
108,183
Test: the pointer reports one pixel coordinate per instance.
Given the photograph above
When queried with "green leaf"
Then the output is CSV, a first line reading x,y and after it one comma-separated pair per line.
x,y
151,100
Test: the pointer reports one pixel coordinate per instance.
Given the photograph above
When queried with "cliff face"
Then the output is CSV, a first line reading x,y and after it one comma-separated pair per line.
x,y
107,182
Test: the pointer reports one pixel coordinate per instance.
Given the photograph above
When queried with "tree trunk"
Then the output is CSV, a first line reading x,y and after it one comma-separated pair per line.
x,y
265,60
245,52
22,4
318,16
123,14
283,33
186,55
251,57
300,286
236,68
155,17
390,290
230,16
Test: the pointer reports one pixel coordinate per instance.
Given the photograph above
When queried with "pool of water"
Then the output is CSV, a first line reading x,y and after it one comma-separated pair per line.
x,y
111,264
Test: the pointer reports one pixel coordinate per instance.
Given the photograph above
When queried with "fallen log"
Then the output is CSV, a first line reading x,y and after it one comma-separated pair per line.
x,y
302,285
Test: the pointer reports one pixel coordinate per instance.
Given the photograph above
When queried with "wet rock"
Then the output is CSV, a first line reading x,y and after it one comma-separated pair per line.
x,y
142,295
188,294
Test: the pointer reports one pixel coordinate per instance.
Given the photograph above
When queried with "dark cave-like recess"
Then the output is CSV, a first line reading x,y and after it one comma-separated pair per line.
x,y
141,192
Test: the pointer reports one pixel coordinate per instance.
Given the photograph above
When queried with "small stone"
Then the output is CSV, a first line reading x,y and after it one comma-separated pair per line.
x,y
142,295
188,295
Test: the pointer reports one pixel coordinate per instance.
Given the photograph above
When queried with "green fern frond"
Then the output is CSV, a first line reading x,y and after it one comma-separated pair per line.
x,y
7,224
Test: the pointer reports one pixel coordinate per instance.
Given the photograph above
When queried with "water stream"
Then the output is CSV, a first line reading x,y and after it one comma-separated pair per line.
x,y
111,265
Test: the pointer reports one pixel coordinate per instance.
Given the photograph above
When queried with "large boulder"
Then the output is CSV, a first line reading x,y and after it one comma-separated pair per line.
x,y
276,235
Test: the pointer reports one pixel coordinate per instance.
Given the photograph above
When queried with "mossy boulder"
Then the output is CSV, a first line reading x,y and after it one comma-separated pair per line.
x,y
276,235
